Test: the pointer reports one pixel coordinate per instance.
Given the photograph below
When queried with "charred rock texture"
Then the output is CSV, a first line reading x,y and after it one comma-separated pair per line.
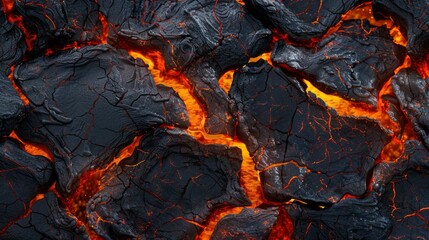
x,y
413,19
301,20
87,103
302,149
47,220
11,107
248,224
202,38
22,177
415,156
393,107
408,203
60,21
353,62
413,94
12,43
349,219
166,188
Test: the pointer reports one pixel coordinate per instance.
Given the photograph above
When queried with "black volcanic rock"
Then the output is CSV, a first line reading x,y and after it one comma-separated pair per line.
x,y
349,219
60,21
406,197
303,150
413,94
354,62
90,102
413,19
22,177
301,19
202,38
166,189
248,224
11,107
415,156
12,43
48,219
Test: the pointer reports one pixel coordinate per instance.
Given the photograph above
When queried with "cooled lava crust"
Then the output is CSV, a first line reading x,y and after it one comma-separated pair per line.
x,y
203,119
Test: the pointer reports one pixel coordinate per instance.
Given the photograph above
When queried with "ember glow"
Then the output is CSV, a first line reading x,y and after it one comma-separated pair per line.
x,y
253,119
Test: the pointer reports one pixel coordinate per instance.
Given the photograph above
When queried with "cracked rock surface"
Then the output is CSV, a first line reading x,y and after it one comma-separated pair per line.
x,y
353,62
11,107
412,92
22,177
166,189
202,38
413,19
88,103
47,219
58,22
406,198
301,19
248,224
349,219
303,150
12,43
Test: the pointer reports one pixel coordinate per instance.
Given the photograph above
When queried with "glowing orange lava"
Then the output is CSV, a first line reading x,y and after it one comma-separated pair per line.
x,y
105,28
175,80
30,38
225,80
34,149
24,99
423,67
249,177
89,184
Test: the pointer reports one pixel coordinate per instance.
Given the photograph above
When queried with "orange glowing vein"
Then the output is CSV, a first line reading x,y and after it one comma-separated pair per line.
x,y
249,177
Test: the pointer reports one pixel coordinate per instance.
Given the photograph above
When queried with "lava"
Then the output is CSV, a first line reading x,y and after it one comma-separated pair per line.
x,y
30,38
249,176
24,99
89,183
34,149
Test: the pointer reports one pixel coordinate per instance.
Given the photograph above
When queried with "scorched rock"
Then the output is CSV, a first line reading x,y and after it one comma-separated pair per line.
x,y
48,219
22,177
413,19
301,19
58,22
202,38
354,62
248,224
303,150
88,103
166,189
412,92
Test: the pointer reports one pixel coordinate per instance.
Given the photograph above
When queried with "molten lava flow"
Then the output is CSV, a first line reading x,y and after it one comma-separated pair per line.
x,y
24,99
241,2
175,80
126,152
249,176
347,108
30,38
89,185
105,28
423,67
34,149
283,228
27,212
225,81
